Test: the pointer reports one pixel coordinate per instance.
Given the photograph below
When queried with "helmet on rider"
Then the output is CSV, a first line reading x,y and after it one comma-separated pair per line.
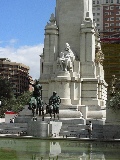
x,y
54,92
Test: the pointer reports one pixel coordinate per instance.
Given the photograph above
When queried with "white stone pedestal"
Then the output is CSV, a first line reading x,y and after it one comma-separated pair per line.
x,y
54,128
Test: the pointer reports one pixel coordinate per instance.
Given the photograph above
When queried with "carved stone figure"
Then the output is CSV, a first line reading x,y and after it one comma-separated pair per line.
x,y
66,59
99,56
52,20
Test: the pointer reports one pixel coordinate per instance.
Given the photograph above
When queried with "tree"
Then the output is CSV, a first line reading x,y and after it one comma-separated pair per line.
x,y
114,98
5,89
9,101
21,101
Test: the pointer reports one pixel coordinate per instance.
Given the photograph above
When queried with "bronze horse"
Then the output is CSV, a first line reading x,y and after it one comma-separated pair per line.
x,y
37,107
50,109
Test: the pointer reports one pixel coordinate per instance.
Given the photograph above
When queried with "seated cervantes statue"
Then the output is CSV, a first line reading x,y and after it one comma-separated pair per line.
x,y
66,59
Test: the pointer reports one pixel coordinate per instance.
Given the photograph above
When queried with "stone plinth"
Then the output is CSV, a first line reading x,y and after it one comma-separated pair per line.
x,y
54,128
37,129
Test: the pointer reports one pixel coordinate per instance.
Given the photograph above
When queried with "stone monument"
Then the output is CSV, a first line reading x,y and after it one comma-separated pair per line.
x,y
72,60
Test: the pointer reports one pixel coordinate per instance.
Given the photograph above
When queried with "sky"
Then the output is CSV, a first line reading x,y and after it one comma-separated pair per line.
x,y
22,24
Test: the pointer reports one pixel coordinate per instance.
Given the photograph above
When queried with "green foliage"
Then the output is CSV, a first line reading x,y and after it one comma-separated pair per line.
x,y
114,102
8,100
24,98
7,154
5,89
20,102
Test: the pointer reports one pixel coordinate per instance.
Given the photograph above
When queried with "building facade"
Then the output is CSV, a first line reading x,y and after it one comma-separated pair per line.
x,y
106,16
16,73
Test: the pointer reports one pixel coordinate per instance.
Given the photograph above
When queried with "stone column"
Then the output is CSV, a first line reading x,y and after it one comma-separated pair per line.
x,y
82,46
90,45
87,49
51,43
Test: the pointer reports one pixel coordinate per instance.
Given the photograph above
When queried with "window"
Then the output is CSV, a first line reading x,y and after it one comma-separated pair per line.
x,y
97,2
111,13
111,1
111,7
117,19
98,8
117,7
93,14
98,14
112,19
106,13
118,1
117,24
106,19
106,24
98,20
117,13
117,29
112,29
106,1
111,24
93,2
106,7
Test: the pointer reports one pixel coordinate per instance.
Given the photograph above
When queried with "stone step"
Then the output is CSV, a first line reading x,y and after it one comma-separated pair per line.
x,y
70,107
72,121
7,125
82,133
23,119
12,128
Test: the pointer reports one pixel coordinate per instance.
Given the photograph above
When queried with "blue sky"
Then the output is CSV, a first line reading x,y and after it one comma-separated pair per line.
x,y
22,24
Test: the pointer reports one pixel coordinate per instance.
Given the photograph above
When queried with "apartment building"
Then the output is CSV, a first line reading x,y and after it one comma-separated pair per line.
x,y
98,13
16,73
106,14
